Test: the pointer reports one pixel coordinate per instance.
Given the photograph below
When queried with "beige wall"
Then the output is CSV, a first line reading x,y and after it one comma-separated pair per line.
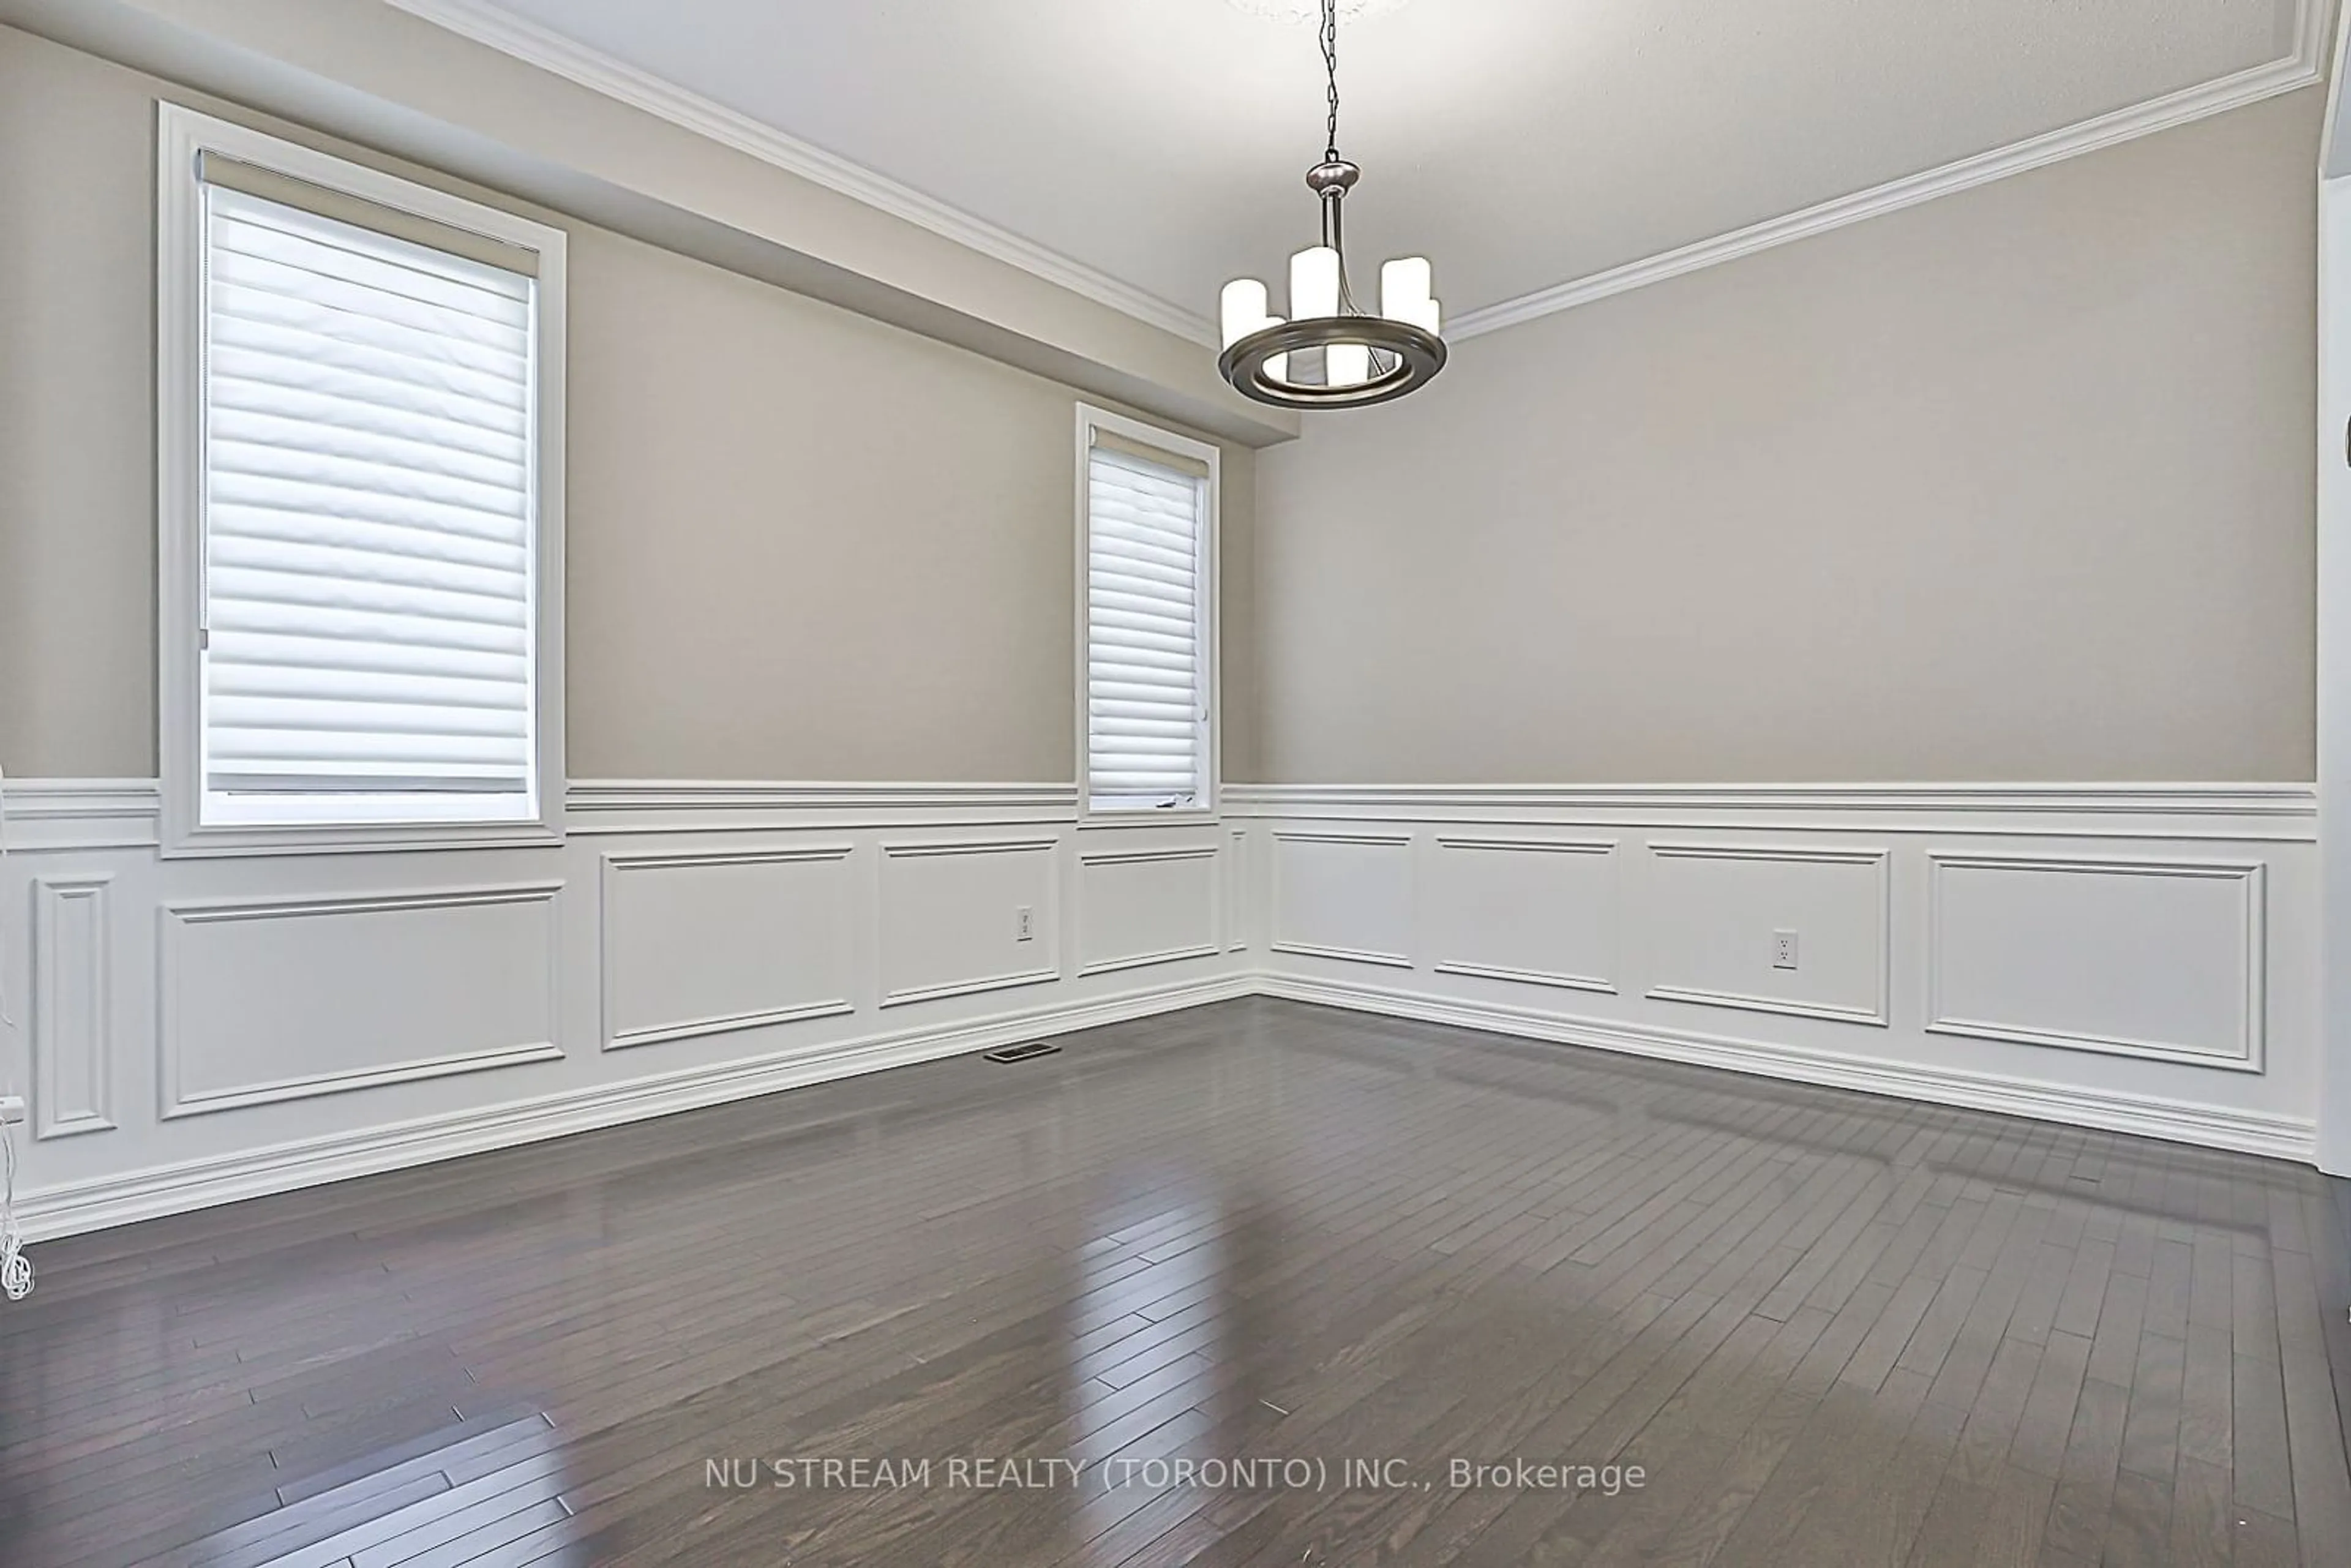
x,y
801,544
2016,485
76,417
804,545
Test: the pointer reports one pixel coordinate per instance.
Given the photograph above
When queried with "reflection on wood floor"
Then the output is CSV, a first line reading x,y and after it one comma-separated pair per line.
x,y
1253,1284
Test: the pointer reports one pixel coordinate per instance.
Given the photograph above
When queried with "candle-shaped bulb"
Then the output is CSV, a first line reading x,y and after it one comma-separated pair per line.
x,y
1313,282
1404,287
1241,310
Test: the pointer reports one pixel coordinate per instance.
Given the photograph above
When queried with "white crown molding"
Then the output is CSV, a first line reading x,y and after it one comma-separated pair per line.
x,y
487,24
2304,67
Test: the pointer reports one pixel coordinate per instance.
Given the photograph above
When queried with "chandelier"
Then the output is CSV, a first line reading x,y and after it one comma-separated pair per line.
x,y
1331,353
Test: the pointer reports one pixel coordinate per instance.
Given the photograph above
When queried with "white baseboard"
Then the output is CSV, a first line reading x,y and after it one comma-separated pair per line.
x,y
178,1189
202,1183
2279,1137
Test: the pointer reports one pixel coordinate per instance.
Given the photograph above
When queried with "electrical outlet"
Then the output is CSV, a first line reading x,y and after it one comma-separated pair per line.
x,y
1783,949
11,1110
1025,930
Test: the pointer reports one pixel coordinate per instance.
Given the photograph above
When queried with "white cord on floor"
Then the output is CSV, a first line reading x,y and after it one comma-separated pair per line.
x,y
15,1269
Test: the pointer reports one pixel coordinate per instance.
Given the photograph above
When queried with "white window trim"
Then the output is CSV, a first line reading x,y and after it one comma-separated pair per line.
x,y
181,134
1091,419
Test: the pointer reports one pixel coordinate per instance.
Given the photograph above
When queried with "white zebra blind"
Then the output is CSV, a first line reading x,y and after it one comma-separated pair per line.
x,y
369,511
1147,669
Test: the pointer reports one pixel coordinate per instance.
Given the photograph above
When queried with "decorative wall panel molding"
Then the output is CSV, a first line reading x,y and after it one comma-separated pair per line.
x,y
73,1063
2138,957
2160,959
1343,895
709,942
743,933
1715,909
259,1022
1236,893
271,1000
1539,910
1143,906
950,917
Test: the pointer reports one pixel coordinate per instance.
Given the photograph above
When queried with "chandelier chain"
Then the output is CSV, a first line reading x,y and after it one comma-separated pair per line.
x,y
1331,69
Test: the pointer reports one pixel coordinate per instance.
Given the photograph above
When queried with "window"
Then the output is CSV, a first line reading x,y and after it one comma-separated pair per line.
x,y
1148,588
360,407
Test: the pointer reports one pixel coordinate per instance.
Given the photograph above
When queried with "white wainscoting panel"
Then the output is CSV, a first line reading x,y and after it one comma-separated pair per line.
x,y
1713,908
282,999
73,1063
1155,905
2136,958
703,944
1539,910
1345,896
950,912
256,1022
2162,958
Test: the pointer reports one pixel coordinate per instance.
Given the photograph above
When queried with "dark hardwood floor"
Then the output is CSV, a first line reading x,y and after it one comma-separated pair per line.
x,y
1246,1285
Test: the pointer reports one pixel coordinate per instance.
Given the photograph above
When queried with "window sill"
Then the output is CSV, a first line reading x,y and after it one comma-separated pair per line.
x,y
196,843
1152,817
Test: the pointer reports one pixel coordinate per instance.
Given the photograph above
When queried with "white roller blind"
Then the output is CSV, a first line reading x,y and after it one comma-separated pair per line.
x,y
368,507
1147,696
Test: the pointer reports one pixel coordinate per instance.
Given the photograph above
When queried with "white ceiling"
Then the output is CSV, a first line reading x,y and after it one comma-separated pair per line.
x,y
1520,143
